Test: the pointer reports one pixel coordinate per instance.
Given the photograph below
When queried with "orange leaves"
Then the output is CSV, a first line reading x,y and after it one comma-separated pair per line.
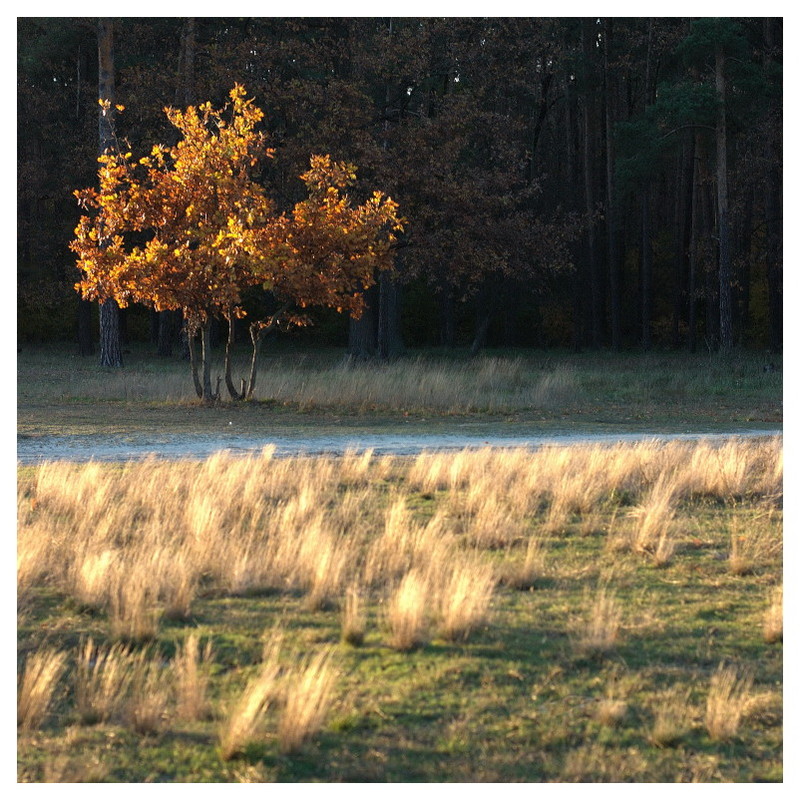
x,y
212,231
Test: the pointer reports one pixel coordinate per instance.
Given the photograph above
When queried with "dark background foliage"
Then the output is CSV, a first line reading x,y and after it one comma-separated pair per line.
x,y
561,178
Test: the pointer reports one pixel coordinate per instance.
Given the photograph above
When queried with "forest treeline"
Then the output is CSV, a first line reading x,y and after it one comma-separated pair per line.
x,y
586,183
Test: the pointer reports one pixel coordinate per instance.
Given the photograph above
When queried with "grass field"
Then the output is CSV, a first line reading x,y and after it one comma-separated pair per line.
x,y
59,392
582,614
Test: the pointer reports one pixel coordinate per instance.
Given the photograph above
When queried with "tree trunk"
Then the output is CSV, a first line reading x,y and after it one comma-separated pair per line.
x,y
773,215
693,248
647,272
774,218
209,395
390,339
682,240
232,390
110,343
185,92
483,317
611,200
191,332
723,222
595,291
168,326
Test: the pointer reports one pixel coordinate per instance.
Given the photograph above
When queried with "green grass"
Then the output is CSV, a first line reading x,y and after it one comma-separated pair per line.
x,y
516,701
58,392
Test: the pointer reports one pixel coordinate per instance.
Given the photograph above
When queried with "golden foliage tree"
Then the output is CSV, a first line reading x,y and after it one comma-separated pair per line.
x,y
189,228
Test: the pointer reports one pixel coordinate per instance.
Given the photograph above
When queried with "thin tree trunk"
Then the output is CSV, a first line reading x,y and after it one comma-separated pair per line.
x,y
611,200
209,395
647,272
683,228
390,339
723,223
232,390
773,216
693,249
191,332
110,345
595,293
447,335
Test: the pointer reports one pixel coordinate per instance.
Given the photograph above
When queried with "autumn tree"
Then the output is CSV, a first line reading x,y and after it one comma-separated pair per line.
x,y
188,228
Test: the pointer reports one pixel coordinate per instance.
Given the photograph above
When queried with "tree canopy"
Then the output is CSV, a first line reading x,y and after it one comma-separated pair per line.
x,y
188,228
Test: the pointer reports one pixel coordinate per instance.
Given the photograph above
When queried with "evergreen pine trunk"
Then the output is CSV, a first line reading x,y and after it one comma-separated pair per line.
x,y
723,220
611,200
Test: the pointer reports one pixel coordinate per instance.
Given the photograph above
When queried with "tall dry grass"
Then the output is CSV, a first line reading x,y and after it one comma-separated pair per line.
x,y
672,718
102,678
142,542
465,596
408,611
773,617
598,630
37,686
308,694
729,695
244,720
149,693
354,622
191,677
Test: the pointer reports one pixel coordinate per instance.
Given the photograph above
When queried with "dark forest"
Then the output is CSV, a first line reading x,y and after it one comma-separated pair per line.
x,y
611,183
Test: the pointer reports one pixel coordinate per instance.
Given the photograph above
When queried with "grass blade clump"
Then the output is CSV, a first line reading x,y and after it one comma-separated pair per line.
x,y
773,617
598,632
101,682
191,679
37,686
353,618
465,597
728,697
308,696
407,612
246,717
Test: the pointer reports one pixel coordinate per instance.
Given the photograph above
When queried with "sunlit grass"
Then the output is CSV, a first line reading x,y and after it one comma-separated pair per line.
x,y
449,633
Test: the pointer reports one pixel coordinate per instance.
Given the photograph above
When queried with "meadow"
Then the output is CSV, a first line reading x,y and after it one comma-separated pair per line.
x,y
594,613
59,392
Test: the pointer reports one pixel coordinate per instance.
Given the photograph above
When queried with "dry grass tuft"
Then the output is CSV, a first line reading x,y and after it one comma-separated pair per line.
x,y
654,518
354,620
407,612
149,695
728,698
673,718
773,617
752,548
102,679
133,610
523,574
464,598
246,717
610,711
598,631
37,687
308,696
191,679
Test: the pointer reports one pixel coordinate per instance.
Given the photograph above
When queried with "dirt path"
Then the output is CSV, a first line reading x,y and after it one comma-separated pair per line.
x,y
125,447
